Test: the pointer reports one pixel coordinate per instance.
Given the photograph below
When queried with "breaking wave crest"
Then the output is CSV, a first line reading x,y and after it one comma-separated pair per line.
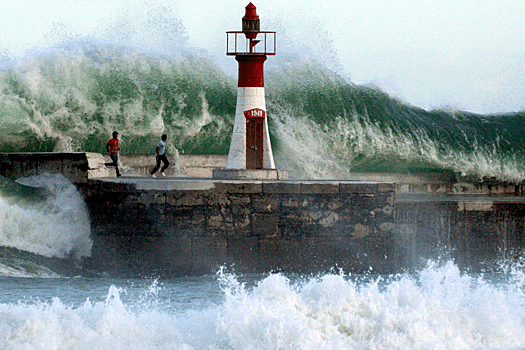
x,y
438,307
71,97
56,226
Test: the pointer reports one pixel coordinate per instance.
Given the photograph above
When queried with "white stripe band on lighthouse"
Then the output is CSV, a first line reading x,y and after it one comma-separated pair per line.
x,y
250,100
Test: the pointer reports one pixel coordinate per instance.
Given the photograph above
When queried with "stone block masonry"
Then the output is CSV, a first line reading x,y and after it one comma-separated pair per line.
x,y
180,226
481,234
77,167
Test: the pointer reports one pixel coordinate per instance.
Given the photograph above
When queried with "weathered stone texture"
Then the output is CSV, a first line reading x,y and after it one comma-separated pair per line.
x,y
77,167
240,223
476,236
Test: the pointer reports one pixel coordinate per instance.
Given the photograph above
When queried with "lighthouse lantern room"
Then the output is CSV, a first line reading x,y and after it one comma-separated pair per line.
x,y
250,148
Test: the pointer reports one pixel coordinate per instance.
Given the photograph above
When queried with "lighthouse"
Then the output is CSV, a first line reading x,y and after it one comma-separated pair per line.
x,y
250,155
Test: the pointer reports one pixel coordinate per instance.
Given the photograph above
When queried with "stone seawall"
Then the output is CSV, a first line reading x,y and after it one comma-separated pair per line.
x,y
191,165
179,227
77,167
479,233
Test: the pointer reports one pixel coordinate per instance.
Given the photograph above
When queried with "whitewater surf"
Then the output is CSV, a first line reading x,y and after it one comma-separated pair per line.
x,y
70,96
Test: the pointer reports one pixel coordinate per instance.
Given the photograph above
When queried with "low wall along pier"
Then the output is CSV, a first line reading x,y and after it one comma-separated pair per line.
x,y
78,167
190,224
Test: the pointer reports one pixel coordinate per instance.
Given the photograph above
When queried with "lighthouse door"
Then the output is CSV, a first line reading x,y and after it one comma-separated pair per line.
x,y
254,143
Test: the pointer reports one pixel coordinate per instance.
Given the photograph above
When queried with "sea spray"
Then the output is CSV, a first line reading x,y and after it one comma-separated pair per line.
x,y
116,321
340,128
437,307
55,226
72,96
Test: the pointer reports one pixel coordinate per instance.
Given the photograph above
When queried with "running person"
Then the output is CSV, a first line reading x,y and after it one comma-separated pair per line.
x,y
112,148
161,156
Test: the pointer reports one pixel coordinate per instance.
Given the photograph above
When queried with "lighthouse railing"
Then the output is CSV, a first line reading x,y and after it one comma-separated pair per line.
x,y
238,44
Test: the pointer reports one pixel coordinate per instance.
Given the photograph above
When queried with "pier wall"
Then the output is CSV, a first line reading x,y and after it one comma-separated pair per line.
x,y
194,227
478,233
181,226
190,165
77,167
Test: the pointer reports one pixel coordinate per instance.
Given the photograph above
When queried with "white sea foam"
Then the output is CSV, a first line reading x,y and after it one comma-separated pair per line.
x,y
57,226
439,308
103,325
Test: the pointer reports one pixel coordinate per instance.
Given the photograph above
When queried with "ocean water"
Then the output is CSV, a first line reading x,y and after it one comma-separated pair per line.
x,y
435,308
49,302
71,96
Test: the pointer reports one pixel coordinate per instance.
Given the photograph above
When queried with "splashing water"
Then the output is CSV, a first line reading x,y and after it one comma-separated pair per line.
x,y
440,309
437,308
56,226
143,78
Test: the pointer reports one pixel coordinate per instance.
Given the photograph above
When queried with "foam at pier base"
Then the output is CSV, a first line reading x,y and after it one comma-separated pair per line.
x,y
438,308
55,226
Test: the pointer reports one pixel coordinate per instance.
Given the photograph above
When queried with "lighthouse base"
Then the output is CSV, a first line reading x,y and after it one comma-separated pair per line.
x,y
250,174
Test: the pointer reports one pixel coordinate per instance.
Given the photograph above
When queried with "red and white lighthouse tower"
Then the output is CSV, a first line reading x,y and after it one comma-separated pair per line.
x,y
250,154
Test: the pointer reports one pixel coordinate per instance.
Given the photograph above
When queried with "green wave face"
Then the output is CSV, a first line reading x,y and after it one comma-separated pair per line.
x,y
337,127
72,97
71,100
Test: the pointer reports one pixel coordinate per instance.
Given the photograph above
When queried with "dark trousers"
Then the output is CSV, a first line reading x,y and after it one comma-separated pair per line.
x,y
114,158
164,159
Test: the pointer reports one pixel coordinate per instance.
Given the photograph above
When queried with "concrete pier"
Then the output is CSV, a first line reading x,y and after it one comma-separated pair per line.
x,y
192,226
480,233
183,225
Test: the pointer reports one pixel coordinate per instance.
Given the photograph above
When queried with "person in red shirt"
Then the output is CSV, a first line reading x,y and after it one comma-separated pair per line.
x,y
112,148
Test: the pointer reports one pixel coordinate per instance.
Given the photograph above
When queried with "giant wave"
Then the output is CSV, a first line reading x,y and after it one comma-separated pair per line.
x,y
70,97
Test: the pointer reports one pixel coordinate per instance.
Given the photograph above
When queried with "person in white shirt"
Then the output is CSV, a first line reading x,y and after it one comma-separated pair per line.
x,y
161,156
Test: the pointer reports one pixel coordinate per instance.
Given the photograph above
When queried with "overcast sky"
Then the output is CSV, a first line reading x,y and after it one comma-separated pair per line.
x,y
464,54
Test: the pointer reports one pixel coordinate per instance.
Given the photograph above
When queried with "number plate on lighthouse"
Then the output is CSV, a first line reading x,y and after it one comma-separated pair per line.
x,y
255,113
